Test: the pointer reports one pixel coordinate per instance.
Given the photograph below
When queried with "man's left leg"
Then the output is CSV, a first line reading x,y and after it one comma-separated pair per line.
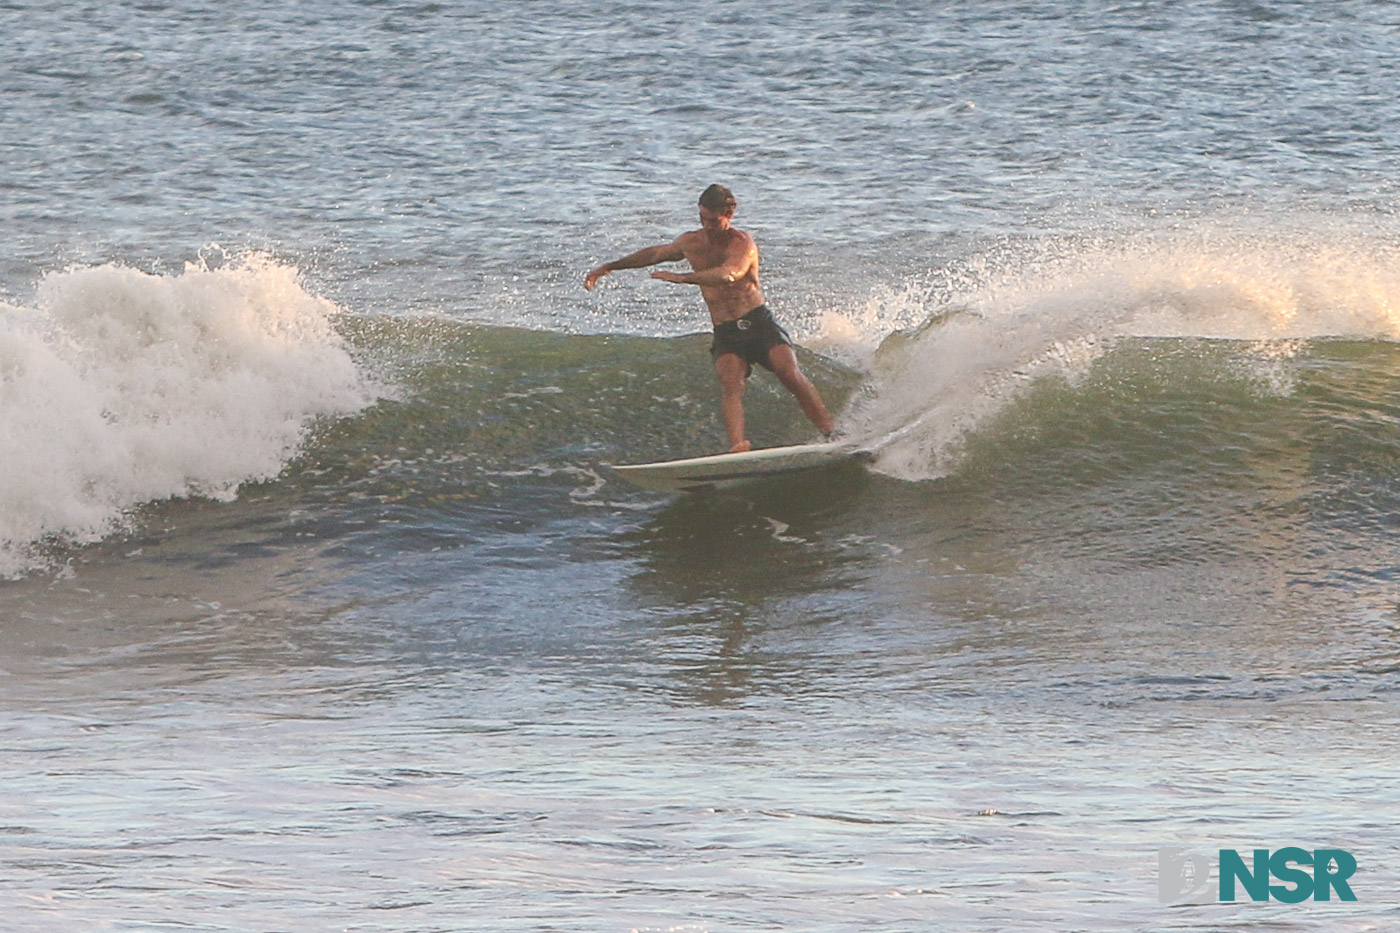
x,y
783,362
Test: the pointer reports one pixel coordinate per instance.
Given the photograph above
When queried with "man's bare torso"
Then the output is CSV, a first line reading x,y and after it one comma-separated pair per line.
x,y
706,249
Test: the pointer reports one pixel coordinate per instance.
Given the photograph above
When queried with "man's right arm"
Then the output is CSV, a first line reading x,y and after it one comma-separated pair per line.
x,y
670,252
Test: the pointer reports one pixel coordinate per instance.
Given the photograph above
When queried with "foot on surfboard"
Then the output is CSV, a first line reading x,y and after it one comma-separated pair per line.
x,y
741,447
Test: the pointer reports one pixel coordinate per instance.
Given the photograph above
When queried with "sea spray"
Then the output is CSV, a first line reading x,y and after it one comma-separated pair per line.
x,y
121,387
993,323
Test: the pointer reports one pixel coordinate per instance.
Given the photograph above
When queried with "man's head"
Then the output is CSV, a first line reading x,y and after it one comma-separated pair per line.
x,y
718,199
716,207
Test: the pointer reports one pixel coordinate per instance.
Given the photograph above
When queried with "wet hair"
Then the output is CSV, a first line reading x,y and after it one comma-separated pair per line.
x,y
718,199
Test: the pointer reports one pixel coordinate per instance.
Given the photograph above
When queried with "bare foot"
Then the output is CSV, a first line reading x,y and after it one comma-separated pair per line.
x,y
741,447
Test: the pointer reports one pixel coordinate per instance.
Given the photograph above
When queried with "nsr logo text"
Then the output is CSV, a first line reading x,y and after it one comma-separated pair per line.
x,y
1184,878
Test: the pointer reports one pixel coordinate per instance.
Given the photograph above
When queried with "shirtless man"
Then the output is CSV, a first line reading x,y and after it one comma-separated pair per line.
x,y
725,261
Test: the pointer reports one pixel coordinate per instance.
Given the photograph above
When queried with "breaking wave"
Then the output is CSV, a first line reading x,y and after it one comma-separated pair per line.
x,y
119,387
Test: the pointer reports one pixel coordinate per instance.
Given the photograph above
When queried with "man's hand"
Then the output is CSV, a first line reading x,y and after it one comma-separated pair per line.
x,y
674,278
592,278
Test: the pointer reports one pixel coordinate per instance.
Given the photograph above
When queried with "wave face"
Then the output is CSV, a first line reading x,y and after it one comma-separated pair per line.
x,y
123,387
118,387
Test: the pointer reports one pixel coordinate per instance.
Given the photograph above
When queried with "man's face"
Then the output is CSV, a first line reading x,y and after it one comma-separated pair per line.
x,y
714,221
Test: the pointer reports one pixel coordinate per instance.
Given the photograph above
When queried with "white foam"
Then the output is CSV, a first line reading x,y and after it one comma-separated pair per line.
x,y
998,321
121,387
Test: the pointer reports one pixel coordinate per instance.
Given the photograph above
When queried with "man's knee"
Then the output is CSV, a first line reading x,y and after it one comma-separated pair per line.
x,y
783,362
732,373
790,376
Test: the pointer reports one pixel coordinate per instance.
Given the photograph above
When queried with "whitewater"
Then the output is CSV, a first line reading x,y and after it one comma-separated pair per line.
x,y
123,387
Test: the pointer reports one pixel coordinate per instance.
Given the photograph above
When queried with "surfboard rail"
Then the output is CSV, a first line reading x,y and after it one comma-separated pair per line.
x,y
719,471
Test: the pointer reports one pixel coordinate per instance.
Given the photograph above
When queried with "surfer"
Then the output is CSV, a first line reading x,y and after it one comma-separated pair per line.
x,y
725,264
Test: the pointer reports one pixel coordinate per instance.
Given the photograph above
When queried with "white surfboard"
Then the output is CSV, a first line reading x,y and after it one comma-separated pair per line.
x,y
724,470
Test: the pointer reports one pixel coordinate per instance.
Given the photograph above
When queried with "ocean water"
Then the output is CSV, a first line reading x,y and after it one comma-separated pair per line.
x,y
322,610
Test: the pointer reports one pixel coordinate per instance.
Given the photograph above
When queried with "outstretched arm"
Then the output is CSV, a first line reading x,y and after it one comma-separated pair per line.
x,y
642,257
738,261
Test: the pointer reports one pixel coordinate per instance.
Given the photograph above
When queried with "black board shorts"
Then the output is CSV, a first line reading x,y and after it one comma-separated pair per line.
x,y
749,337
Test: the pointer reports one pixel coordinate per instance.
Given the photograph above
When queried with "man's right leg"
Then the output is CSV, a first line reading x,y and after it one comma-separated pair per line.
x,y
783,362
733,373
